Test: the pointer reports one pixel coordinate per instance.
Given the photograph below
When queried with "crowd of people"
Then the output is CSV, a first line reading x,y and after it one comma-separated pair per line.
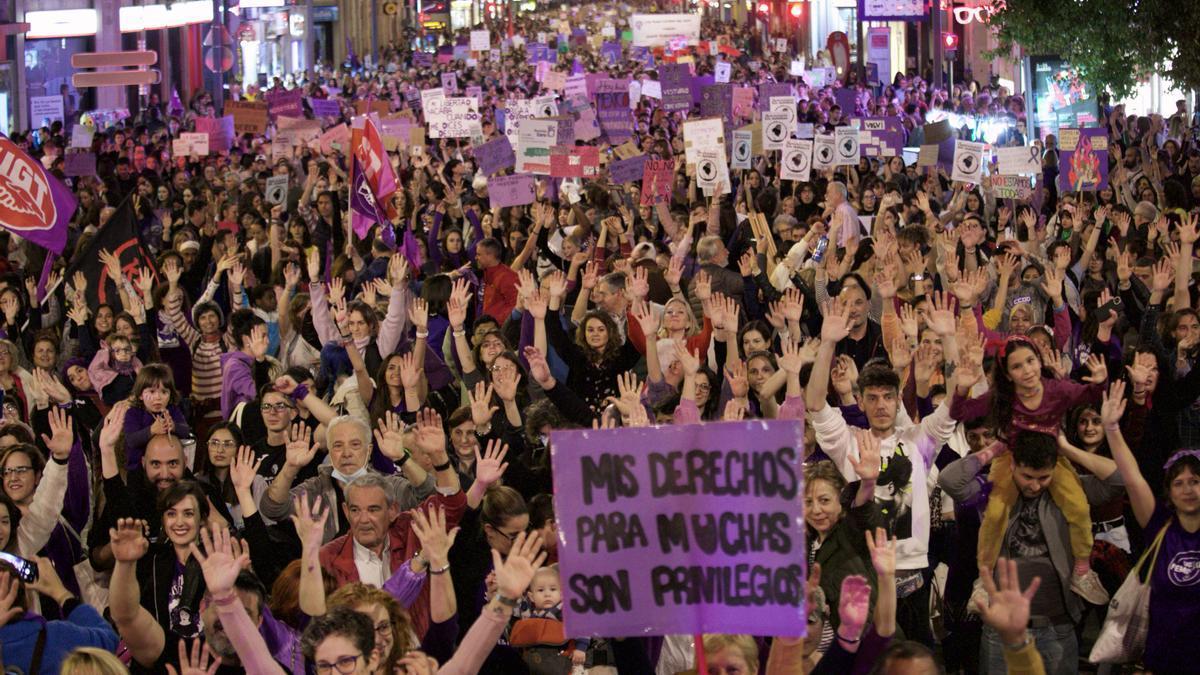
x,y
286,447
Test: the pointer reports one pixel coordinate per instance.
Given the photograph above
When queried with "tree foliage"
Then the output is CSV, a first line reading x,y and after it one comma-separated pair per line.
x,y
1115,44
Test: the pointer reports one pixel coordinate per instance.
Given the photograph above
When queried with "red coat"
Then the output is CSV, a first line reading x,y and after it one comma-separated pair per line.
x,y
338,555
499,292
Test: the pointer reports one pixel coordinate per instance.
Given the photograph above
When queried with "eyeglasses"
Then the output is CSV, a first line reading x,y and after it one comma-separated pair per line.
x,y
383,628
122,350
218,443
344,665
502,367
275,407
17,471
506,535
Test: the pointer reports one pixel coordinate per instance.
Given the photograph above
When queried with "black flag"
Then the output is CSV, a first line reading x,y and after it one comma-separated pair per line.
x,y
120,237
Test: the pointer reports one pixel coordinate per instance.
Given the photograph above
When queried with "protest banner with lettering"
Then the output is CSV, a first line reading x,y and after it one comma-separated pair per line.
x,y
613,110
824,151
197,144
277,190
722,71
286,103
46,108
495,155
716,100
706,134
325,107
656,30
1083,165
336,138
847,146
1012,187
1019,161
796,160
676,81
249,117
968,162
220,132
880,136
777,127
685,529
450,83
623,171
452,117
515,190
743,142
712,172
534,141
481,40
574,161
657,181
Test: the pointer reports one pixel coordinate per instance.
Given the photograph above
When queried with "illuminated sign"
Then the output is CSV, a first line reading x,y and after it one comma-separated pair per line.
x,y
157,17
62,23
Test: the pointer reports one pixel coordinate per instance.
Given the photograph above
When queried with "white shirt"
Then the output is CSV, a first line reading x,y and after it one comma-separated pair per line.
x,y
373,570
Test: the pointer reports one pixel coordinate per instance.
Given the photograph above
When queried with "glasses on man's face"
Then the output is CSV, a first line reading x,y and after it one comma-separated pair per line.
x,y
275,407
344,665
14,471
218,443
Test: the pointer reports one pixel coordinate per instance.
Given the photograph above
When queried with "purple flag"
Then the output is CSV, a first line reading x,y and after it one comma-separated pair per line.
x,y
364,208
410,250
718,554
33,203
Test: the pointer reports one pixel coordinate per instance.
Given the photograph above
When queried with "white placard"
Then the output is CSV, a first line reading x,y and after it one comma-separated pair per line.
x,y
785,104
847,146
481,40
781,45
743,148
805,130
777,126
635,94
796,161
722,72
797,69
81,136
197,143
534,141
46,107
452,118
277,190
1019,161
968,162
824,153
711,170
705,134
428,96
652,89
655,30
450,83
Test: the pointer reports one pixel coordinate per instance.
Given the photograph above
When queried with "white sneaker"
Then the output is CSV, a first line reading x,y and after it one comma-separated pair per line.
x,y
1088,587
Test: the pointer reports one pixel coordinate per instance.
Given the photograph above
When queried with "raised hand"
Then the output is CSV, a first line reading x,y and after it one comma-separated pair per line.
x,y
537,304
481,404
591,274
639,284
490,466
201,662
867,465
735,410
909,321
390,436
793,304
514,573
646,319
429,436
900,354
48,383
9,610
687,361
969,368
309,521
843,375
883,552
300,448
244,468
221,560
1008,610
854,605
941,315
259,342
1098,370
739,383
791,360
62,434
703,286
1113,406
114,425
431,532
836,325
410,370
128,540
539,370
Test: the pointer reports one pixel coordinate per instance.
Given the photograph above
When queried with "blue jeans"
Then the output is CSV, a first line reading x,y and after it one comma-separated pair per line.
x,y
1057,645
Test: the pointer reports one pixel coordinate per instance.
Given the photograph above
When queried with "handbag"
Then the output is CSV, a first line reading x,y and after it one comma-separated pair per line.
x,y
1122,639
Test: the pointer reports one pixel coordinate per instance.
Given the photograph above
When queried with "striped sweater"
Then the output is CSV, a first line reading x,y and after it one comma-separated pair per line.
x,y
206,352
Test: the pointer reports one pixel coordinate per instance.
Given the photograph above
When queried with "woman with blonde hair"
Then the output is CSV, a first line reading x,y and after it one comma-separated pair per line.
x,y
92,661
394,635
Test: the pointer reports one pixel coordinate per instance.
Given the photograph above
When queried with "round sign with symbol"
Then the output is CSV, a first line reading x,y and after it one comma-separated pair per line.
x,y
741,151
967,163
706,169
848,148
797,161
776,132
548,111
825,154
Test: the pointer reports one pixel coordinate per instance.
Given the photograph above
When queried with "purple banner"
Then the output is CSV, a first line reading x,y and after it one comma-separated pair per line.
x,y
220,132
325,107
689,529
1084,164
285,103
880,136
423,60
676,86
79,164
612,111
623,171
495,155
515,190
768,89
36,205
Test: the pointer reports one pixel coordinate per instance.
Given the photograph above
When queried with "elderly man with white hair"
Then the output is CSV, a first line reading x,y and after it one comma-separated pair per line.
x,y
349,444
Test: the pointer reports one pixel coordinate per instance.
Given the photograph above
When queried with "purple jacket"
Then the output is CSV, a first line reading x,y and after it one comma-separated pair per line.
x,y
237,380
137,432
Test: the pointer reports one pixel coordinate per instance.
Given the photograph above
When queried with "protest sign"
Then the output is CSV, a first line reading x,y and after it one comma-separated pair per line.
x,y
587,128
515,190
81,136
742,144
880,136
623,171
796,160
220,132
968,162
1012,187
481,41
46,108
776,129
712,173
612,111
428,96
805,130
197,144
927,155
575,85
249,117
79,164
769,90
579,161
534,141
657,181
337,138
626,150
723,70
554,80
325,107
652,89
1082,160
743,102
847,146
681,529
706,134
277,190
495,155
450,83
656,30
1019,161
286,103
452,117
824,152
676,81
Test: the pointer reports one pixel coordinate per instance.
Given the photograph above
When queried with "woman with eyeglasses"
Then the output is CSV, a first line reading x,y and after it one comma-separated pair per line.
x,y
213,463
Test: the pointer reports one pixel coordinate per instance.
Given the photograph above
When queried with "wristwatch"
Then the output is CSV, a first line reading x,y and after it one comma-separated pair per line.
x,y
1018,646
